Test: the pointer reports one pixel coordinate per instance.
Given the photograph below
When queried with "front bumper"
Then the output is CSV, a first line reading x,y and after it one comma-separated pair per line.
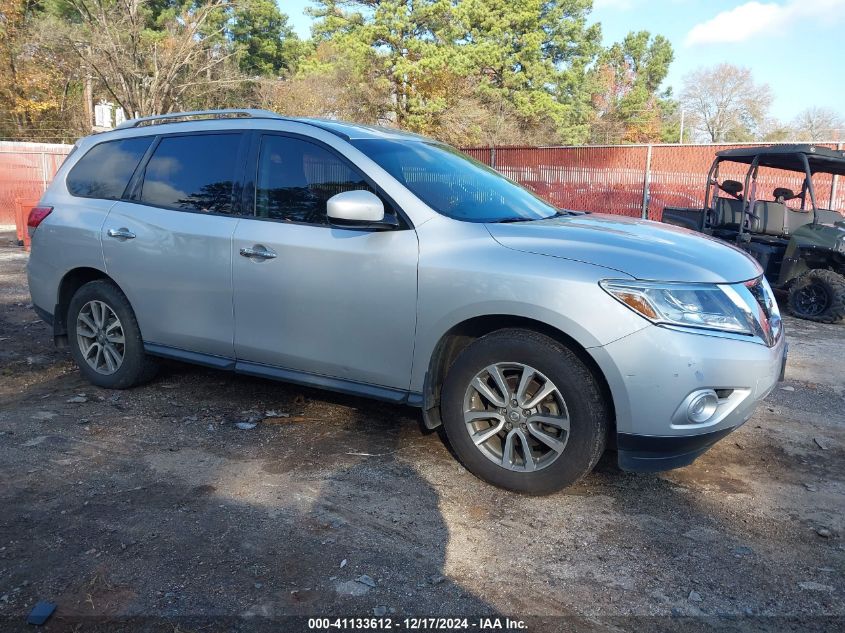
x,y
648,453
652,372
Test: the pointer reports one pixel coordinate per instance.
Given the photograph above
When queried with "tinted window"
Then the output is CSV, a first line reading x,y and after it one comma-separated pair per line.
x,y
296,178
106,169
192,173
453,184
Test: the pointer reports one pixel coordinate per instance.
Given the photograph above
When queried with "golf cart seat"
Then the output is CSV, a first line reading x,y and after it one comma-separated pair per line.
x,y
829,216
775,218
728,211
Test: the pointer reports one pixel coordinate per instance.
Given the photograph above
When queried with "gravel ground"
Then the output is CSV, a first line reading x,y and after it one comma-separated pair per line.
x,y
150,509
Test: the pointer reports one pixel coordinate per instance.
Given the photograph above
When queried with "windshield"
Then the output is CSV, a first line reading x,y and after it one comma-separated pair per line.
x,y
453,184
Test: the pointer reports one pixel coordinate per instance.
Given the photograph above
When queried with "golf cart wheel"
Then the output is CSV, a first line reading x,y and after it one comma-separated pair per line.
x,y
818,295
523,412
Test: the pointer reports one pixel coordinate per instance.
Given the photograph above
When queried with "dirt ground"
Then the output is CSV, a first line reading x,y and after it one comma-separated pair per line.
x,y
150,508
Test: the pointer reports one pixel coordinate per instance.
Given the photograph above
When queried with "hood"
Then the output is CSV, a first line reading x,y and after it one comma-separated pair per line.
x,y
640,248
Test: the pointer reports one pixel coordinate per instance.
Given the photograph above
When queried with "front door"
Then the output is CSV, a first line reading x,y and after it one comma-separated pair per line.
x,y
320,300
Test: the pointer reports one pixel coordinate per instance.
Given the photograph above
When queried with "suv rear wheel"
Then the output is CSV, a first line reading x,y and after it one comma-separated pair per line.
x,y
523,412
818,295
104,337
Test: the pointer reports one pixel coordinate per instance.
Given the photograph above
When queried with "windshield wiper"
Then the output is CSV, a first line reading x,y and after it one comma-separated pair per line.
x,y
510,220
558,214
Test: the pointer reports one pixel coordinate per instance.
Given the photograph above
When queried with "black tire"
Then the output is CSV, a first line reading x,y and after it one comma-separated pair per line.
x,y
589,413
137,367
818,295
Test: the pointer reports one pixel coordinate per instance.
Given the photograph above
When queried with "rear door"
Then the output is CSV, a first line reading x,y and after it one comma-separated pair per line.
x,y
325,301
71,237
169,246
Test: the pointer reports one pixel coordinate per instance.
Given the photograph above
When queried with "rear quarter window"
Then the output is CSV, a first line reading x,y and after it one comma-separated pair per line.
x,y
106,169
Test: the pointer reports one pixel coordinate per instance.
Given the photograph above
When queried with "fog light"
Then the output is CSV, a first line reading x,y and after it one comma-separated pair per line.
x,y
702,406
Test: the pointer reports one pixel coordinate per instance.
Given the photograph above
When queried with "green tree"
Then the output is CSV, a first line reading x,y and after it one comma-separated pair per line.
x,y
529,59
38,90
627,99
406,39
265,41
534,55
466,71
330,84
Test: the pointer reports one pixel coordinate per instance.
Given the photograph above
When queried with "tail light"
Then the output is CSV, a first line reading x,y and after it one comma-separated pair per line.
x,y
37,215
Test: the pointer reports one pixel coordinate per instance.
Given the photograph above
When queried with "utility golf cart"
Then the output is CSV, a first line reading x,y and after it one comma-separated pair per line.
x,y
800,246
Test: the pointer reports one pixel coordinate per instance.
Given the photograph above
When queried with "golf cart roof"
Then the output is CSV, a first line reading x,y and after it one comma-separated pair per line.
x,y
821,159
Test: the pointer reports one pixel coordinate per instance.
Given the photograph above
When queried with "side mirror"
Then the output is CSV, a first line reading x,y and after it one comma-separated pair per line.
x,y
359,209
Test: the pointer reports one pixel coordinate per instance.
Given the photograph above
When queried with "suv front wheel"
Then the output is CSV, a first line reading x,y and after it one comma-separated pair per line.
x,y
104,337
523,412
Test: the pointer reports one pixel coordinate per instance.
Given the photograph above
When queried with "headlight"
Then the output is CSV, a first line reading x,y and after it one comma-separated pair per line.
x,y
707,306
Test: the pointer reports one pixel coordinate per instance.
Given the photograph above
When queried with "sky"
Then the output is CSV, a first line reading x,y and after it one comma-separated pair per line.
x,y
795,46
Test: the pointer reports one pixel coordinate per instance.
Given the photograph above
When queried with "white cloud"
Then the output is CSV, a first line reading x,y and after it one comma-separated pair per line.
x,y
757,18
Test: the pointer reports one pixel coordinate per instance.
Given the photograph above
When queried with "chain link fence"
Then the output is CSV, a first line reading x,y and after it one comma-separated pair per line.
x,y
637,180
25,171
632,180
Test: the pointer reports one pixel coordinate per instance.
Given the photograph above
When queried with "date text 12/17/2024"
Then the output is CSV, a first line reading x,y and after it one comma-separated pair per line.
x,y
417,624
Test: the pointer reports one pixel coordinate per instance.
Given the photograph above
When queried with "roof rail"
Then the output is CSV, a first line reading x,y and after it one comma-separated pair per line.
x,y
175,117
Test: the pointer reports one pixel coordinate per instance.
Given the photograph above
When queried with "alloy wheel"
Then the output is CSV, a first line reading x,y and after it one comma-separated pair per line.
x,y
516,417
100,336
812,300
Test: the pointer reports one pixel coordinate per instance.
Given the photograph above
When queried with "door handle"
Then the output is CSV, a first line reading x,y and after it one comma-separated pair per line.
x,y
258,252
121,233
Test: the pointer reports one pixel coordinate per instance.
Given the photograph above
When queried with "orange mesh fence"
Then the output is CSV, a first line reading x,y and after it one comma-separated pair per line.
x,y
25,171
613,179
607,179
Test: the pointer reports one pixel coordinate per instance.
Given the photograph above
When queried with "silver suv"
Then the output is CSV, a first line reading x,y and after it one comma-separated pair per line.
x,y
378,263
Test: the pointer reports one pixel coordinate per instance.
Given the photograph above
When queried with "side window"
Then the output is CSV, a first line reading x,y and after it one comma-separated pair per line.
x,y
106,169
296,178
192,173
